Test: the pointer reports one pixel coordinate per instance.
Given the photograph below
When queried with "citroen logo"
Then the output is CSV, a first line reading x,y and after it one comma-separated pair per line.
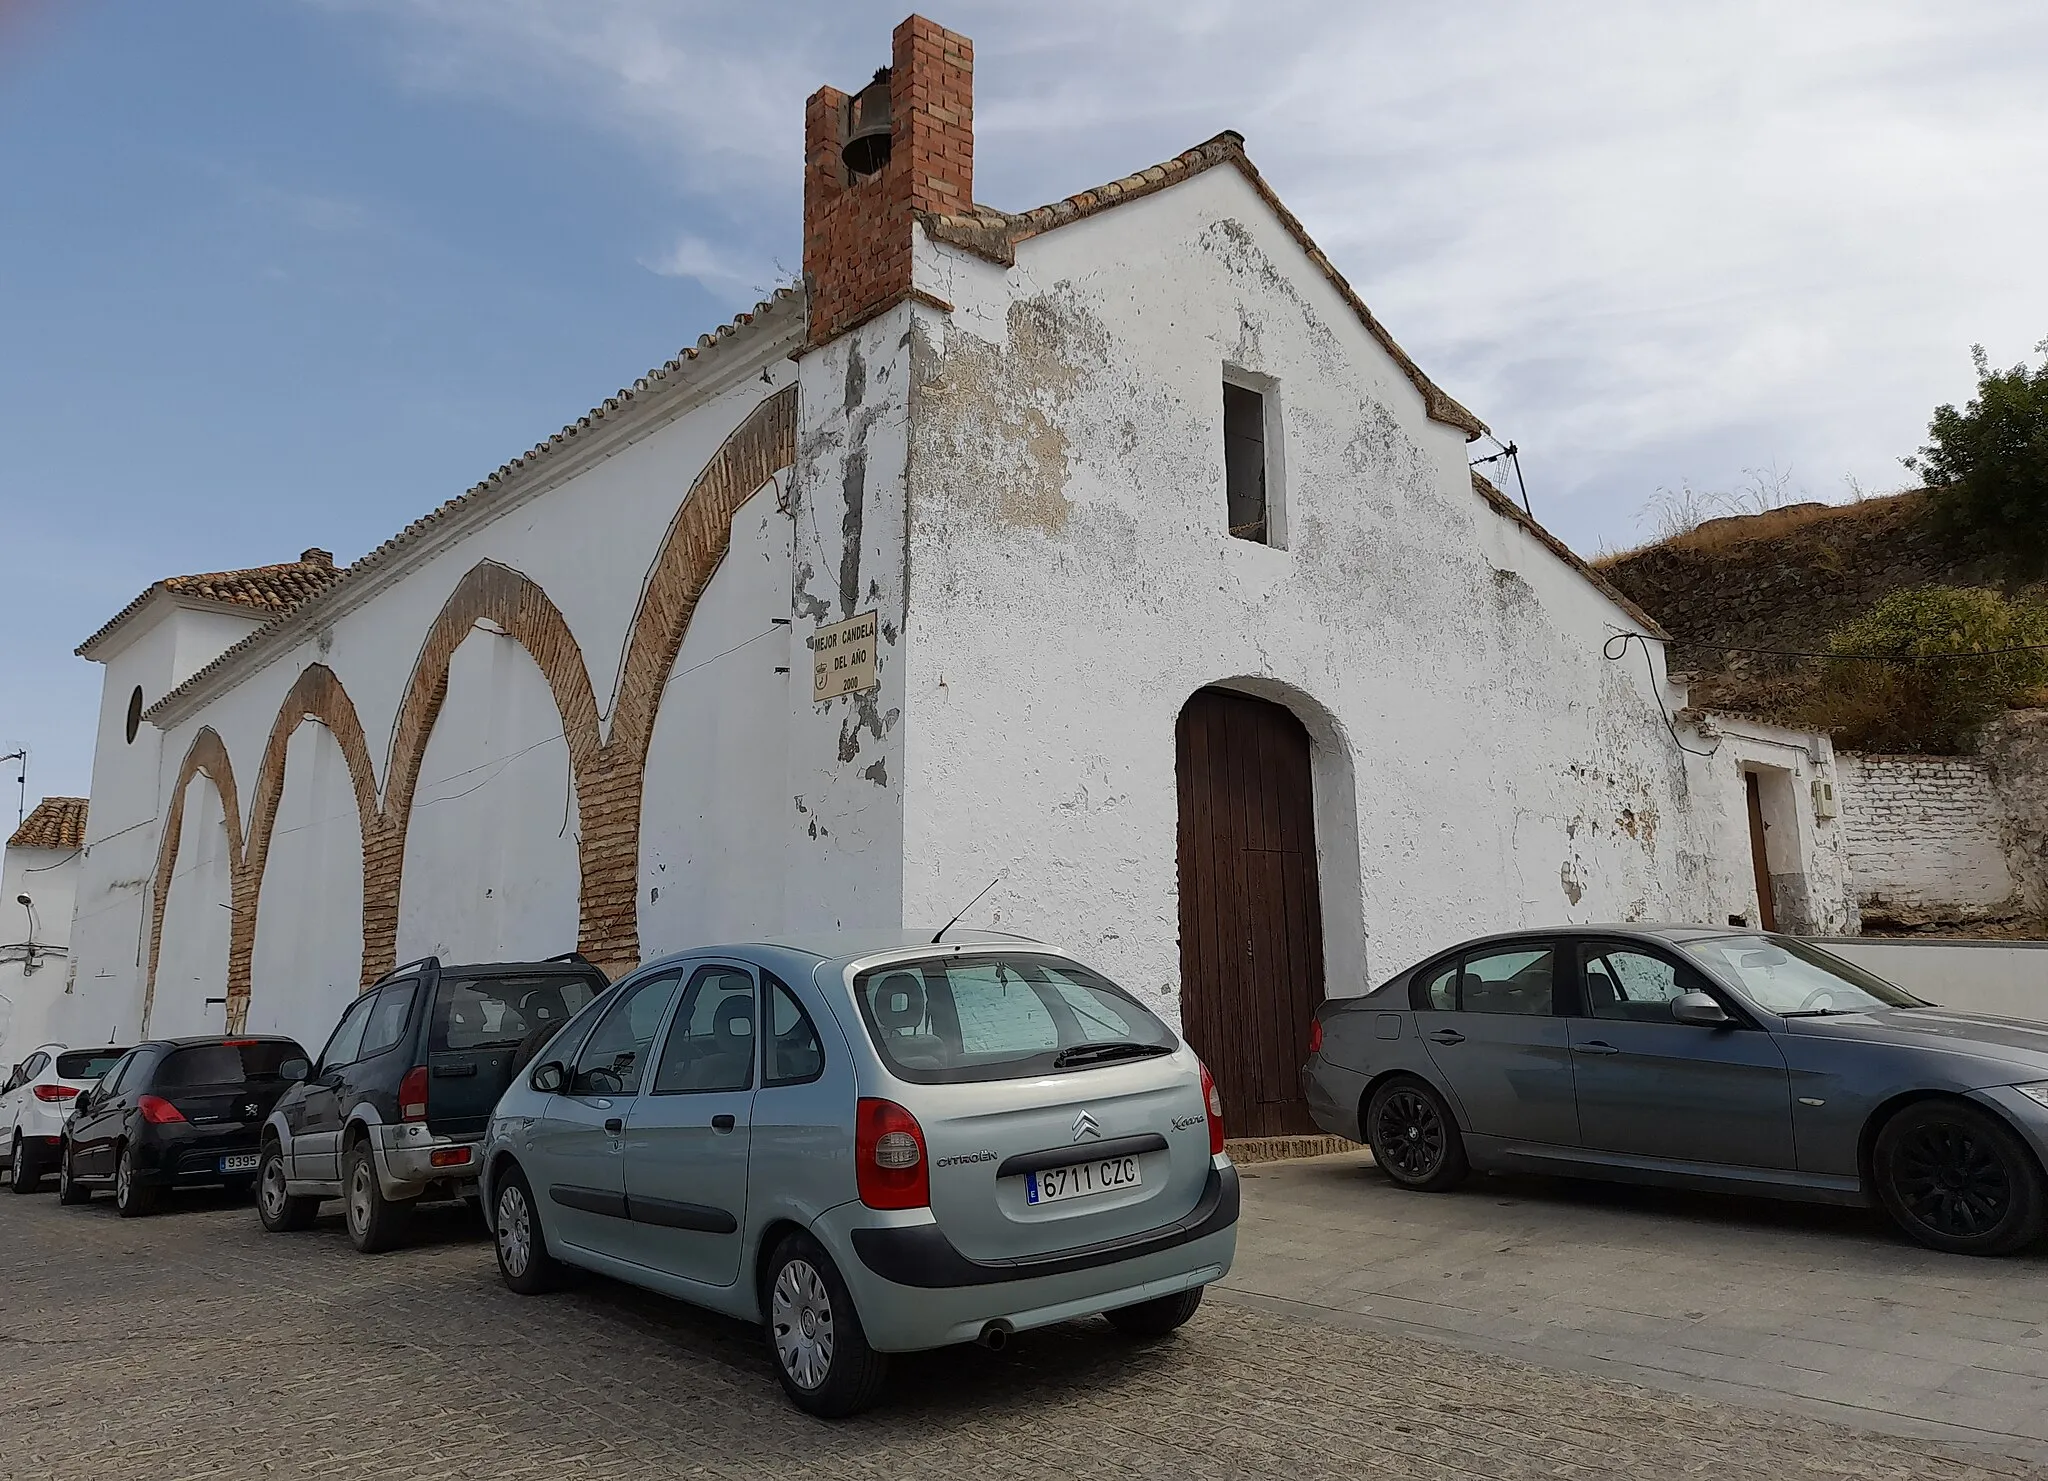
x,y
1084,1126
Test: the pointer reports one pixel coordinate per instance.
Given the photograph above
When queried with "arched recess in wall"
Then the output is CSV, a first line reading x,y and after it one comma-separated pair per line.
x,y
1271,904
519,608
690,554
207,756
317,695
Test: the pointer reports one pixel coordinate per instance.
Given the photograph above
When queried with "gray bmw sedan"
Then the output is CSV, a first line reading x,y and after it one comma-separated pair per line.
x,y
1694,1057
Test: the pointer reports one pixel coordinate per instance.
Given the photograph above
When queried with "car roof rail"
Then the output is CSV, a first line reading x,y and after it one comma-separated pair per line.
x,y
577,957
431,963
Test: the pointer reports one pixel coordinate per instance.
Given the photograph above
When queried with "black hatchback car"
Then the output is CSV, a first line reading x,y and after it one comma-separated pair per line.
x,y
175,1113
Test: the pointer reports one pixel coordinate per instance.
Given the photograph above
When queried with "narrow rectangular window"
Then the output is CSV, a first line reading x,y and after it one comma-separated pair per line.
x,y
1244,462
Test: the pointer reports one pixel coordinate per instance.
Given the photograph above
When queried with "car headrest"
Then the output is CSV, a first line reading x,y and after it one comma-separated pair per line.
x,y
899,1001
737,1020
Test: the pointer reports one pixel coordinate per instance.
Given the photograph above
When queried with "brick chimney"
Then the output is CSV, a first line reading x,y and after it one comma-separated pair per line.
x,y
857,228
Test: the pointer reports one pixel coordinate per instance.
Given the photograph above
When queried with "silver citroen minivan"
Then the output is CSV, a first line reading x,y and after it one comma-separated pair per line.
x,y
870,1146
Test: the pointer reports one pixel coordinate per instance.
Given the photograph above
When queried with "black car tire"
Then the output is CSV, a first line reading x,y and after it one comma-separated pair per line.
x,y
523,1258
24,1169
815,1339
375,1223
1413,1136
278,1211
132,1200
69,1189
1157,1317
1955,1178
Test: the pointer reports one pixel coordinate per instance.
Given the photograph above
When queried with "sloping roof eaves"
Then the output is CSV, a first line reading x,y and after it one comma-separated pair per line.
x,y
1507,508
57,822
771,311
995,234
258,589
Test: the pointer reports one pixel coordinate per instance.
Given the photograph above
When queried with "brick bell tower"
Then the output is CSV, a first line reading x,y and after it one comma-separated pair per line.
x,y
902,145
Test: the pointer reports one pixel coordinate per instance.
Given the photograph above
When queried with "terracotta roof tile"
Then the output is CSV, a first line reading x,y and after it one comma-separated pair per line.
x,y
265,589
478,492
57,822
994,234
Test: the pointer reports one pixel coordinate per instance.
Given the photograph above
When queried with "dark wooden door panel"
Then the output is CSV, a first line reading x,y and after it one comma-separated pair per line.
x,y
1251,909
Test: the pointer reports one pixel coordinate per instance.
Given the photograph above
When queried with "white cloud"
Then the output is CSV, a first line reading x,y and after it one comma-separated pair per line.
x,y
1648,243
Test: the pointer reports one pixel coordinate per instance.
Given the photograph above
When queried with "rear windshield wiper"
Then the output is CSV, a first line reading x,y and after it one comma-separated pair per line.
x,y
1103,1053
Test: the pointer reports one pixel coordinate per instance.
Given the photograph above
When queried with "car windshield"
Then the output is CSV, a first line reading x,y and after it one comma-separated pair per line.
x,y
497,1012
947,1019
230,1062
87,1064
1791,978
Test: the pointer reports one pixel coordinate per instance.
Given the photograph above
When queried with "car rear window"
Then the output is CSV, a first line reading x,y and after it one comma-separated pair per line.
x,y
942,1020
87,1064
497,1012
231,1062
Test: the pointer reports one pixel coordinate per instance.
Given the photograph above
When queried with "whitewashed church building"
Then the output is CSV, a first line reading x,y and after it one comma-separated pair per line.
x,y
1112,550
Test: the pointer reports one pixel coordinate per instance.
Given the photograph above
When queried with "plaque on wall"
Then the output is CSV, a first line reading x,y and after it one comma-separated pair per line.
x,y
843,658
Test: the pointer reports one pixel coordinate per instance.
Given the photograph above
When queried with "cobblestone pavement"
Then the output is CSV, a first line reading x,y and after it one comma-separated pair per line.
x,y
192,1344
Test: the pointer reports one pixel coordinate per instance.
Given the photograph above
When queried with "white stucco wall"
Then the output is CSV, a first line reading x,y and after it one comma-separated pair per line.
x,y
1807,854
192,961
584,524
32,980
844,862
1072,584
308,961
717,803
1924,838
490,857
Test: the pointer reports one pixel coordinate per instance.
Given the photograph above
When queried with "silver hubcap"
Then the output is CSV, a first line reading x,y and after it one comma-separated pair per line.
x,y
359,1194
272,1191
515,1232
801,1316
124,1183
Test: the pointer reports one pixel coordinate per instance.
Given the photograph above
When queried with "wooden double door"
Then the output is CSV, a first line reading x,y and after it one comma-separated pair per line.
x,y
1251,916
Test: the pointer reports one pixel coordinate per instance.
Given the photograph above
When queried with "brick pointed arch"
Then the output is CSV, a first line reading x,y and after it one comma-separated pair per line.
x,y
207,756
695,545
518,605
316,695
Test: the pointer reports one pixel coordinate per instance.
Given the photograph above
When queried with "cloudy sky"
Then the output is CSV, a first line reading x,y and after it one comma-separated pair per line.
x,y
283,273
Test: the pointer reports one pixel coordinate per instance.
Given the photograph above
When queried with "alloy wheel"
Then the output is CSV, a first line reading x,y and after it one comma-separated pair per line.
x,y
359,1196
801,1317
515,1231
270,1189
1410,1134
124,1181
1952,1180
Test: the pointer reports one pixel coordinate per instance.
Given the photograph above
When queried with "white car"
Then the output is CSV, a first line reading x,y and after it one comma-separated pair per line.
x,y
37,1100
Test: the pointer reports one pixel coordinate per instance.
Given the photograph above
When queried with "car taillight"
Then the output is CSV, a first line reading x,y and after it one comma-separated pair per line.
x,y
157,1111
1213,1104
890,1167
412,1094
1315,1036
56,1092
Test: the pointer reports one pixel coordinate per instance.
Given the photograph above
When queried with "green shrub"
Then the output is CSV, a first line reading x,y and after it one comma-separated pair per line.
x,y
1988,463
1921,670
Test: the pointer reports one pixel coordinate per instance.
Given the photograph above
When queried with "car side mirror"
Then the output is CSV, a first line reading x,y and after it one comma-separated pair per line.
x,y
82,1101
550,1077
296,1070
1700,1010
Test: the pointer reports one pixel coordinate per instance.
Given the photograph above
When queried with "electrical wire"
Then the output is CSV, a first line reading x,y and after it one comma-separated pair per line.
x,y
1612,654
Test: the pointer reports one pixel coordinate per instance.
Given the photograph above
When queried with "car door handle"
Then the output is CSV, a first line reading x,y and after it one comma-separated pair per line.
x,y
723,1123
614,1124
1596,1046
1447,1036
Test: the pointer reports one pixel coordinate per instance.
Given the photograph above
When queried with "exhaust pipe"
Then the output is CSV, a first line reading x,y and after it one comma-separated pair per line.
x,y
995,1336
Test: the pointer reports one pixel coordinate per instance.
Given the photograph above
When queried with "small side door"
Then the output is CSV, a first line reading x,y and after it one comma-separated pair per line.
x,y
372,1078
95,1130
688,1136
1651,1086
314,1116
573,1157
1490,1021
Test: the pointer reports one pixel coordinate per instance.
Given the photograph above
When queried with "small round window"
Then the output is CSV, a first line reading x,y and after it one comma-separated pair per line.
x,y
134,713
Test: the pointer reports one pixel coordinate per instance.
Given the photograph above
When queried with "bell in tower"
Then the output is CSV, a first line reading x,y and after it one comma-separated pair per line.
x,y
866,148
